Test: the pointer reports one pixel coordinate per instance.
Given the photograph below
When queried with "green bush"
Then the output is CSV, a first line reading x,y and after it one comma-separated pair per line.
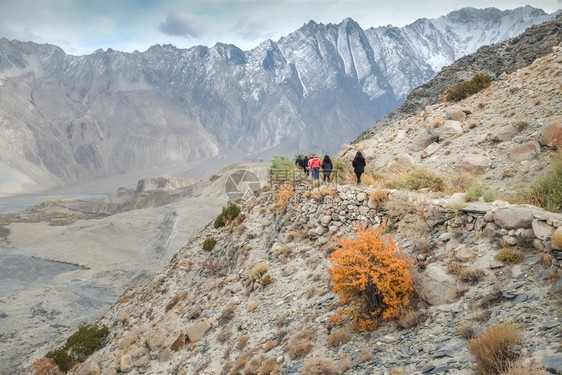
x,y
475,192
79,346
228,213
465,89
546,192
209,244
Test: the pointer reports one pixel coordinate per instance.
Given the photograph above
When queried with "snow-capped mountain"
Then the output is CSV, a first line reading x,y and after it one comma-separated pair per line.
x,y
64,118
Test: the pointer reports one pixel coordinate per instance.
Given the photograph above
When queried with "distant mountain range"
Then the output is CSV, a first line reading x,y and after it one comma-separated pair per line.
x,y
65,118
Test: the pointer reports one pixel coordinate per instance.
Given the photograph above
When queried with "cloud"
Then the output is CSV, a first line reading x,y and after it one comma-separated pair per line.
x,y
183,24
249,30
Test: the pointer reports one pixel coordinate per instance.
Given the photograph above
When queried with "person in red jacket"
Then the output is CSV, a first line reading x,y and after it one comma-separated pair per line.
x,y
315,163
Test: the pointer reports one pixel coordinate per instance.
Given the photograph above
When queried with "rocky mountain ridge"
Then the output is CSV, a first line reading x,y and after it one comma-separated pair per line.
x,y
212,312
66,117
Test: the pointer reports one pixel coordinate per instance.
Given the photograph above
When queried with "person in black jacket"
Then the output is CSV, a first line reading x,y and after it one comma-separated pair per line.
x,y
327,168
358,166
305,164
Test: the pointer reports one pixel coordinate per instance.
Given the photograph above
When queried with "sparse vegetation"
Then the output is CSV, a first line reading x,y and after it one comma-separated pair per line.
x,y
465,89
473,193
547,191
494,349
229,213
378,196
258,270
79,346
320,366
302,343
418,178
209,243
339,337
509,255
370,278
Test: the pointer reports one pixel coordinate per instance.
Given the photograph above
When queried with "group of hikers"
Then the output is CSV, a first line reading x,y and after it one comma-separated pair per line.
x,y
314,164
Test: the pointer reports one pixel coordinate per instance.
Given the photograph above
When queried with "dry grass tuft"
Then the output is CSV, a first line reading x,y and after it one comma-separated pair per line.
x,y
509,255
338,337
466,330
556,239
228,313
302,343
471,276
525,369
258,270
378,197
412,319
224,333
320,366
242,341
494,349
270,345
268,367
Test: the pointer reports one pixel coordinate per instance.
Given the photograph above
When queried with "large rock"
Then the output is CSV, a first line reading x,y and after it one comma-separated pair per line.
x,y
541,229
125,363
551,135
195,332
430,150
525,151
472,162
513,217
557,245
89,368
456,115
401,163
503,133
436,286
450,129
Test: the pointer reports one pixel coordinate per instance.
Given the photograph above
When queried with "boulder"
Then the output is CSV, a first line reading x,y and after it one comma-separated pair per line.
x,y
525,151
167,355
456,115
436,286
401,163
430,150
179,343
541,229
450,129
464,253
551,135
125,363
156,340
195,332
513,217
89,368
503,133
472,162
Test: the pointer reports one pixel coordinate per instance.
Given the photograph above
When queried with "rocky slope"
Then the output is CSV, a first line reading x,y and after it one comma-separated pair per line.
x,y
494,60
65,118
212,312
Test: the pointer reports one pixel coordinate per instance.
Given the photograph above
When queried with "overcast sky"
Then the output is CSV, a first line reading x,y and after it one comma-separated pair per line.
x,y
83,26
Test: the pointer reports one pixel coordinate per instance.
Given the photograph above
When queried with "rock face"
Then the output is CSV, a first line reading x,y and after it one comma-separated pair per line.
x,y
551,136
112,112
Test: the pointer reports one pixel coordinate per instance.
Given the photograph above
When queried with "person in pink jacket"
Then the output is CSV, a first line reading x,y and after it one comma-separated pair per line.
x,y
315,163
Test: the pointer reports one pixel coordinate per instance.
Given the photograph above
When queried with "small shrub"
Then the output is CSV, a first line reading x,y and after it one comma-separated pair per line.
x,y
270,345
258,271
268,367
509,255
418,178
209,244
224,334
338,337
466,330
471,276
320,366
525,369
214,268
79,346
412,319
556,239
465,89
475,192
547,191
494,349
370,277
242,341
280,162
302,343
229,213
378,196
228,313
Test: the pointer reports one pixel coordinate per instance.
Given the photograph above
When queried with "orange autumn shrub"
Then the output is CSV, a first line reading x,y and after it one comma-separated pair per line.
x,y
370,277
